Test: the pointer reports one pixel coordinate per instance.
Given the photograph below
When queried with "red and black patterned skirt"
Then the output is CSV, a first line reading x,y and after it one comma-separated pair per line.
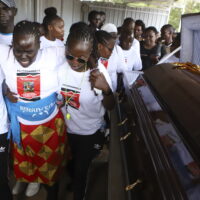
x,y
42,154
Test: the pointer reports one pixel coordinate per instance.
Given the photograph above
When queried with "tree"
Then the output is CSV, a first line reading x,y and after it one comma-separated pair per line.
x,y
175,16
191,6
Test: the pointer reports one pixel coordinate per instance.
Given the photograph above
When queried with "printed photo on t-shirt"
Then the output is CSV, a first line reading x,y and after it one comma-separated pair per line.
x,y
72,97
28,85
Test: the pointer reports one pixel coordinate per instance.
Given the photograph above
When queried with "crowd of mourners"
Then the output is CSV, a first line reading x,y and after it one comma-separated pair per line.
x,y
54,94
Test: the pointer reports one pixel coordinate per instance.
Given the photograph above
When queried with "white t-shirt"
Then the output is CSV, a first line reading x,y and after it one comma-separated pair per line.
x,y
135,45
6,38
116,64
132,59
44,42
37,81
3,111
85,108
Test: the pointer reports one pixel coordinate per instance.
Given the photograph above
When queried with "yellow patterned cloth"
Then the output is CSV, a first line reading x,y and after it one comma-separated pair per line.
x,y
187,66
41,157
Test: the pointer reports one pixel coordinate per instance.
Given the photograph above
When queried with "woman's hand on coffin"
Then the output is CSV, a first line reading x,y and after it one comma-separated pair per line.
x,y
167,141
98,81
194,169
140,82
154,59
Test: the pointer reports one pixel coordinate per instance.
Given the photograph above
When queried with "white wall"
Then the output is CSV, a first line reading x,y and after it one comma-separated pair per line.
x,y
116,13
73,10
42,4
69,10
26,10
71,13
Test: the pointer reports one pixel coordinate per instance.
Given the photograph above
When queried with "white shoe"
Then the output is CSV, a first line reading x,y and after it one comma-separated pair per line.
x,y
18,188
32,189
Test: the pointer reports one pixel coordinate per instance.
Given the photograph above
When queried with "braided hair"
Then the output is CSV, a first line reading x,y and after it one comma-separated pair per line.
x,y
51,15
100,37
85,34
26,28
80,32
78,26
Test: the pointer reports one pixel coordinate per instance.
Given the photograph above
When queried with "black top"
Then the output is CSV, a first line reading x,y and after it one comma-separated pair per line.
x,y
146,54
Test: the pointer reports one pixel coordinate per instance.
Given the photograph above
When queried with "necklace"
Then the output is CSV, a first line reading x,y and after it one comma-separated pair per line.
x,y
68,116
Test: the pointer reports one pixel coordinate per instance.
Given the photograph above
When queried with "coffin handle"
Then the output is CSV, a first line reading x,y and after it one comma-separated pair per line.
x,y
125,137
133,185
123,122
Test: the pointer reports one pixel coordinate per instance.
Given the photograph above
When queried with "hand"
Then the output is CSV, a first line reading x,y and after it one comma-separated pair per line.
x,y
154,59
160,40
194,168
11,96
60,101
98,81
60,104
140,82
167,141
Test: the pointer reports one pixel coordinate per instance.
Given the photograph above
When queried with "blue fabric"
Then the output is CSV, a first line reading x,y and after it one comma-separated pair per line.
x,y
6,33
34,111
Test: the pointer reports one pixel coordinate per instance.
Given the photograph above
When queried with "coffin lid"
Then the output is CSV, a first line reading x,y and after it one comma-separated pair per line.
x,y
178,93
190,38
